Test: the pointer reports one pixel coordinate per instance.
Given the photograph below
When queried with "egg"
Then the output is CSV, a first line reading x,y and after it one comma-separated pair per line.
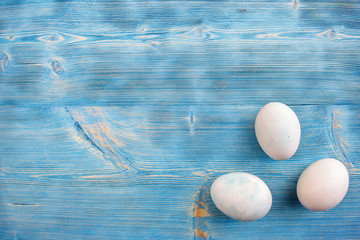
x,y
277,130
323,184
241,196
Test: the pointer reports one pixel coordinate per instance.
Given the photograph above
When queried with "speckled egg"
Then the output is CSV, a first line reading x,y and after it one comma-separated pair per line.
x,y
323,184
241,196
277,130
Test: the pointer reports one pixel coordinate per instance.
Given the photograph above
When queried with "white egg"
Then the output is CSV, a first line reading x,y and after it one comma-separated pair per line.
x,y
323,184
241,196
277,130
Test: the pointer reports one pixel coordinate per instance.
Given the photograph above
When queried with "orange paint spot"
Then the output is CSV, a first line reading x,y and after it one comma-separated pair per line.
x,y
201,203
201,233
199,212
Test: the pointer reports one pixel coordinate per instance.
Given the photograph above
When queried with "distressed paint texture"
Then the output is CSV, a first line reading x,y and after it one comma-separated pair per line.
x,y
116,116
179,52
56,183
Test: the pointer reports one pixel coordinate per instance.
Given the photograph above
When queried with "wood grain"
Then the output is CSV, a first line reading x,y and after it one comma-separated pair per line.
x,y
175,53
116,116
139,172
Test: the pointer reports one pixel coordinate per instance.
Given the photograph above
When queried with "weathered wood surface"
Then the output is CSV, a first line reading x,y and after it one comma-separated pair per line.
x,y
115,116
179,52
144,172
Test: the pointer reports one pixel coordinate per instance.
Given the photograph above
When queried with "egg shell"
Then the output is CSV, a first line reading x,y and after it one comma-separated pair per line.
x,y
323,184
277,130
241,196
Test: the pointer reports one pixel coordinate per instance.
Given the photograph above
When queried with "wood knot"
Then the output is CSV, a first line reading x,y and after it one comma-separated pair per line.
x,y
154,44
57,66
295,5
4,62
10,38
200,32
331,34
51,38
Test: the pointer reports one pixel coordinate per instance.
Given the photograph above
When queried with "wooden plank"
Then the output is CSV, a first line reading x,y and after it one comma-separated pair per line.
x,y
142,172
175,53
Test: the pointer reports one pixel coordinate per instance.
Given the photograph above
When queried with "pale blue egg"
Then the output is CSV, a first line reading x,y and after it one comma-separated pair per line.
x,y
241,196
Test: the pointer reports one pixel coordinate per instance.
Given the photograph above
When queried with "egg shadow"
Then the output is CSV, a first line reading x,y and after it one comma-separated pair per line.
x,y
253,149
290,197
205,195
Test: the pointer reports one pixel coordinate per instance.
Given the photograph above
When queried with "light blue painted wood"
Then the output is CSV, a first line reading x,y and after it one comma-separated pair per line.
x,y
179,53
116,116
141,172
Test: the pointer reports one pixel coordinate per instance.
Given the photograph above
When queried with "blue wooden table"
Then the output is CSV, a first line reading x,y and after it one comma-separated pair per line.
x,y
116,116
